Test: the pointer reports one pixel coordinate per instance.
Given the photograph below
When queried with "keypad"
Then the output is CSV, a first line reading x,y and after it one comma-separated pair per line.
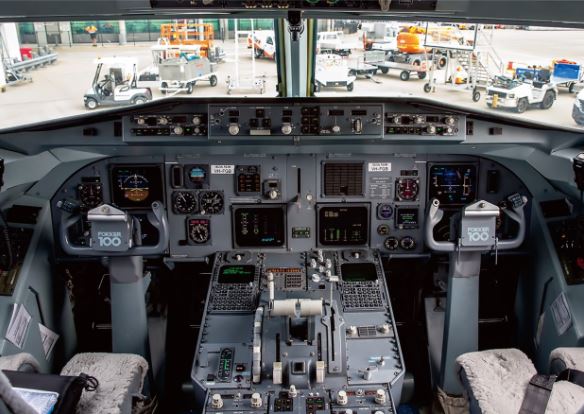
x,y
361,296
234,297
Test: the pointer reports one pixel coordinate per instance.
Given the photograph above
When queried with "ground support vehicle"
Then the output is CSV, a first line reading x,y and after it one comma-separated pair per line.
x,y
520,95
118,85
379,60
201,34
332,72
332,42
181,67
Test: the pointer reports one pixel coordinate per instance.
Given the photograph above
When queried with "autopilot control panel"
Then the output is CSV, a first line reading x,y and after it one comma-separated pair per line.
x,y
308,332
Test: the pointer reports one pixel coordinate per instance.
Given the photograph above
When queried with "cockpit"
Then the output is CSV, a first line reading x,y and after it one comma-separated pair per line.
x,y
295,206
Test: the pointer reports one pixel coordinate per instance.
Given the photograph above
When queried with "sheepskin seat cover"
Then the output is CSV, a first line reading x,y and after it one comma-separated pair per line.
x,y
564,358
497,379
120,377
22,361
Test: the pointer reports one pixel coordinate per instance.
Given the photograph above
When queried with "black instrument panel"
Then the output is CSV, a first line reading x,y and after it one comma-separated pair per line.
x,y
259,226
343,224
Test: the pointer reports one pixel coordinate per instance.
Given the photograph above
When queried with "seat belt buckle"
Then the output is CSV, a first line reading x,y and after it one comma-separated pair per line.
x,y
543,381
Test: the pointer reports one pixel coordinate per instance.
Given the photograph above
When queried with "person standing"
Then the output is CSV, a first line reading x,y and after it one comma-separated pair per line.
x,y
92,30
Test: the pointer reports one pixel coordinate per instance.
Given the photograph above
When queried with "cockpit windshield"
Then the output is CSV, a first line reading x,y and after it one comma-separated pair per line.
x,y
59,69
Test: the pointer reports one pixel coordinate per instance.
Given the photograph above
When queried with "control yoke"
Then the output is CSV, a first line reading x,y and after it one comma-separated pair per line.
x,y
476,233
113,232
478,226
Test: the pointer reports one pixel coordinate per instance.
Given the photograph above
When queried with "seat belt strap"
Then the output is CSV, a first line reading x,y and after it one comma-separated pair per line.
x,y
537,394
572,375
539,390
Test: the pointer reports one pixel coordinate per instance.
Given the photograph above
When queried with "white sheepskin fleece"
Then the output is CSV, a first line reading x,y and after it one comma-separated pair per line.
x,y
572,358
120,377
18,361
499,378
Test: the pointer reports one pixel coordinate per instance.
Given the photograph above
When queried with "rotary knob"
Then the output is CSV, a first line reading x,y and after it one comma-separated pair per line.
x,y
256,400
418,119
178,130
342,397
380,396
449,120
396,120
336,129
407,243
292,392
286,129
216,401
431,129
196,120
273,194
162,121
141,121
358,126
352,330
233,129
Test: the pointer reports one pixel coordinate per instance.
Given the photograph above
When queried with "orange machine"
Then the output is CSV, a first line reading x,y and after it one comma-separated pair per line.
x,y
201,34
411,39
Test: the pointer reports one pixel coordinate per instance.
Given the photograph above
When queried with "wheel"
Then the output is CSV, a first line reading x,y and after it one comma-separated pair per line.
x,y
522,105
213,80
404,75
476,96
189,88
91,103
258,53
139,100
548,100
427,88
571,87
384,70
163,87
350,86
421,75
352,73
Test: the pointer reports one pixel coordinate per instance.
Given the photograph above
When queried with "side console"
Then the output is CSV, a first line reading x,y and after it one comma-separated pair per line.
x,y
308,332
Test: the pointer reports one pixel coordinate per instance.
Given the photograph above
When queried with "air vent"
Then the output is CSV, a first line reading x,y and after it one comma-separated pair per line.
x,y
366,331
343,179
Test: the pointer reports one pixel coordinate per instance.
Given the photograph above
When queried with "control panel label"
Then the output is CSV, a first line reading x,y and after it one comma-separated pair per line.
x,y
223,169
380,186
379,167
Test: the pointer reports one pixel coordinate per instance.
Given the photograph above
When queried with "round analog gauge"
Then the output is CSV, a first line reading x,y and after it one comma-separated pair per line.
x,y
197,176
211,202
391,243
384,211
90,195
136,188
383,229
184,202
199,231
407,189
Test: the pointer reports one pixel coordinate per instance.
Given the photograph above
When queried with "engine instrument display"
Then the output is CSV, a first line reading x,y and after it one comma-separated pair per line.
x,y
237,274
453,184
136,186
259,226
358,272
342,225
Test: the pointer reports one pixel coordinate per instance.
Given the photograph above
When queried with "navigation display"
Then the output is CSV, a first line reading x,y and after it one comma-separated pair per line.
x,y
342,225
237,274
358,272
453,184
136,186
259,226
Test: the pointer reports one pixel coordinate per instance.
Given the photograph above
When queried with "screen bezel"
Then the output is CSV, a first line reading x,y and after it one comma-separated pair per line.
x,y
475,165
281,207
143,204
320,206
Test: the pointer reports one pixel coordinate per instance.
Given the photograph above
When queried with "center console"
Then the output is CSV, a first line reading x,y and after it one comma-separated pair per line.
x,y
309,332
